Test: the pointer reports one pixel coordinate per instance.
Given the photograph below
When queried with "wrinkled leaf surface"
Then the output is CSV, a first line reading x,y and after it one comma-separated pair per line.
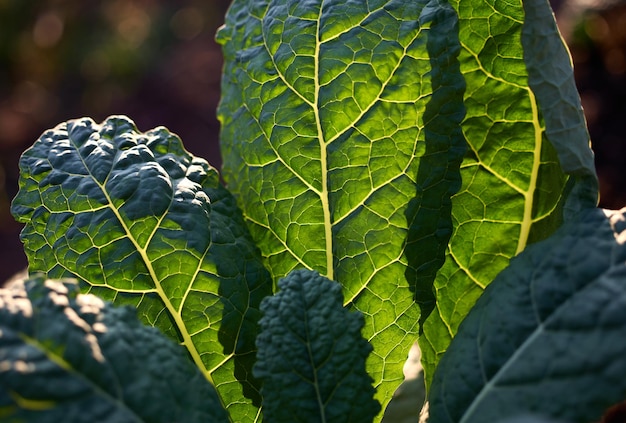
x,y
547,335
311,356
69,357
140,221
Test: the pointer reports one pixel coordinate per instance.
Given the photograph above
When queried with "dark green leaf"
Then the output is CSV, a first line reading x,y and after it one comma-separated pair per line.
x,y
142,222
69,357
551,77
547,335
311,356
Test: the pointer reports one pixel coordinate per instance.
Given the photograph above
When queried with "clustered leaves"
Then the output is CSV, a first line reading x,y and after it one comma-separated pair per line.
x,y
384,161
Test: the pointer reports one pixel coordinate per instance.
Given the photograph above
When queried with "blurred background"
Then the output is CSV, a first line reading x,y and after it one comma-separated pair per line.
x,y
153,60
156,61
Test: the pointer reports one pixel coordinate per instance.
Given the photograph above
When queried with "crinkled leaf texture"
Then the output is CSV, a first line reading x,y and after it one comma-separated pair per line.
x,y
70,357
547,336
551,77
311,356
341,141
529,163
140,221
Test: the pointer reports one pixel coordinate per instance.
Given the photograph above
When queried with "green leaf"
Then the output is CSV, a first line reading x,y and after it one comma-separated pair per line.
x,y
516,177
327,108
311,356
69,357
142,222
552,322
551,77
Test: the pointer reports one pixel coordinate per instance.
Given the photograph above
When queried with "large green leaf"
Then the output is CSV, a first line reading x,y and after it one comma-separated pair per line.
x,y
327,107
311,356
515,177
142,222
69,357
547,336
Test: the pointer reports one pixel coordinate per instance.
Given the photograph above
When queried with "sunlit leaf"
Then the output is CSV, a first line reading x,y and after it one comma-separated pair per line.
x,y
140,221
327,108
517,175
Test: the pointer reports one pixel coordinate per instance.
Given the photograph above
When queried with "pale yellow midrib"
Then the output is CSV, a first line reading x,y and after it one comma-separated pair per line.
x,y
529,195
187,341
325,193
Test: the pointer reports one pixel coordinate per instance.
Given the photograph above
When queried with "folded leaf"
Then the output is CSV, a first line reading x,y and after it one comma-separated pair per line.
x,y
69,357
553,322
142,222
517,176
311,356
327,108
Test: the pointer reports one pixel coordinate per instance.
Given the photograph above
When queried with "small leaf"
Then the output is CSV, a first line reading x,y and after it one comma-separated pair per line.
x,y
69,357
553,322
311,355
140,221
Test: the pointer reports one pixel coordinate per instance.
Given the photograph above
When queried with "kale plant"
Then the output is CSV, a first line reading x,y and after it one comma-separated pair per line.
x,y
395,170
